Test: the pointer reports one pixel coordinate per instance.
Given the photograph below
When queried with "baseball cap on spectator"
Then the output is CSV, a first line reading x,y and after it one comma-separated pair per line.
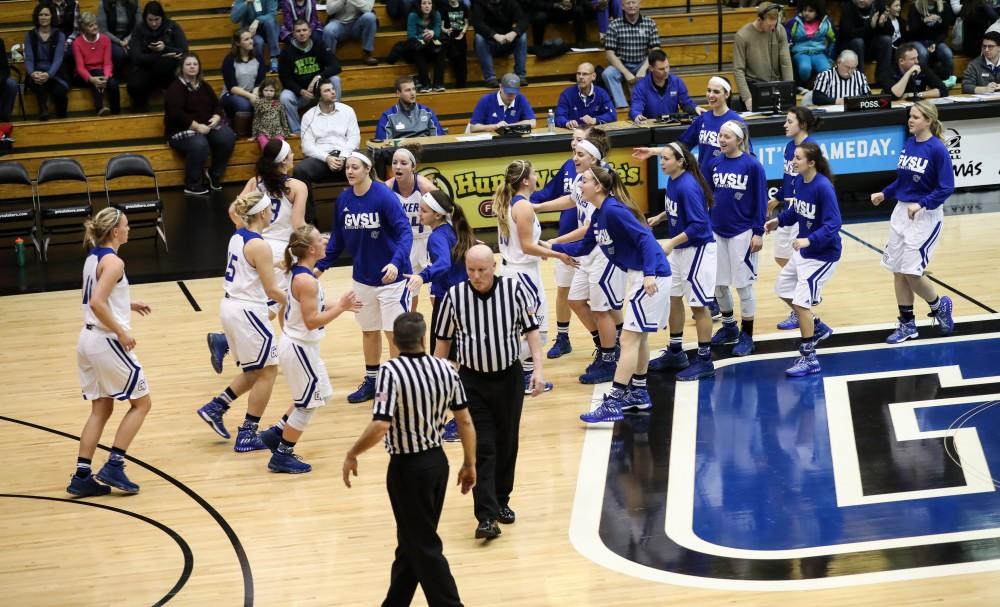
x,y
510,84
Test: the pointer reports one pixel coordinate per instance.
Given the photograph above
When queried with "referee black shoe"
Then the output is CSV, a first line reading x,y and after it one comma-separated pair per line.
x,y
506,515
487,530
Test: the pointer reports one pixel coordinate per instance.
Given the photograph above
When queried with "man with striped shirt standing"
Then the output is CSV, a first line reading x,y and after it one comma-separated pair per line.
x,y
413,393
487,316
841,80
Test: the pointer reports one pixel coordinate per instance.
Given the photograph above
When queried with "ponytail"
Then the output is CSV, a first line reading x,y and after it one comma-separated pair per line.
x,y
814,154
459,223
612,183
930,112
97,229
269,172
298,243
517,172
690,164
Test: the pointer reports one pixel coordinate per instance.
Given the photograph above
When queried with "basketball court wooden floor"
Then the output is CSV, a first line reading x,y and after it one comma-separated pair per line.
x,y
750,515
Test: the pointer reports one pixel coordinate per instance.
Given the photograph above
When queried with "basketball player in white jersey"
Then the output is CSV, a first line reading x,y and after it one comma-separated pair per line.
x,y
519,231
249,281
288,210
409,187
306,315
109,369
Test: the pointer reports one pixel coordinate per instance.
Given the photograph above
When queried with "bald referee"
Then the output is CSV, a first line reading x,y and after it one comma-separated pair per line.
x,y
486,316
412,395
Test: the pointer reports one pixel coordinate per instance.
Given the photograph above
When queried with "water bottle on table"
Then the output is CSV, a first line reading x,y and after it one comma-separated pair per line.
x,y
552,121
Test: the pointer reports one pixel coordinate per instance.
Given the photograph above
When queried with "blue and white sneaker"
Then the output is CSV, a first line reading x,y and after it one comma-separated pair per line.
x,y
728,333
905,331
792,322
821,331
247,439
271,438
86,487
560,347
714,310
599,373
217,348
450,434
636,399
212,413
527,383
365,392
943,315
114,475
744,345
669,360
699,369
609,411
804,365
288,463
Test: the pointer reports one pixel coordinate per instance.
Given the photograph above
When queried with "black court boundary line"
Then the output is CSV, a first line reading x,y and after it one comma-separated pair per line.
x,y
241,555
183,545
940,283
190,297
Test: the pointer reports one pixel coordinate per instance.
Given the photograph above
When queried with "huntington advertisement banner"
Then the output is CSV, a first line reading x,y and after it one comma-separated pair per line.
x,y
973,148
471,183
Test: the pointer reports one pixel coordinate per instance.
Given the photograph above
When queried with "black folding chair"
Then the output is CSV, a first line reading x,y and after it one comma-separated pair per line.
x,y
56,217
143,213
19,207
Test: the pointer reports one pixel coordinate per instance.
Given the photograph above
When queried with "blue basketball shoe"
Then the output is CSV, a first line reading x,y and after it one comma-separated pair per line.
x,y
699,369
271,438
728,333
114,474
560,347
744,345
366,391
636,399
247,439
212,413
792,322
943,315
288,463
669,360
821,331
609,411
600,372
217,348
906,330
450,434
86,486
804,365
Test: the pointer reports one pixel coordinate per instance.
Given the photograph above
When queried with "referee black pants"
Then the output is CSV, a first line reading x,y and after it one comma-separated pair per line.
x,y
417,485
495,402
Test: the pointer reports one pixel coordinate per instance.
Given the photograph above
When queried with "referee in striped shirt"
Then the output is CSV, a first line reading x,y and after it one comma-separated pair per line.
x,y
486,316
841,80
412,395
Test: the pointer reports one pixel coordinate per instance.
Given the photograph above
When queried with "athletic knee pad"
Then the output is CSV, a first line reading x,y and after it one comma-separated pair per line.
x,y
724,297
748,302
300,417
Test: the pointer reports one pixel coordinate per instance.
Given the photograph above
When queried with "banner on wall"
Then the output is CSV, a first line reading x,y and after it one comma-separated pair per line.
x,y
972,145
471,183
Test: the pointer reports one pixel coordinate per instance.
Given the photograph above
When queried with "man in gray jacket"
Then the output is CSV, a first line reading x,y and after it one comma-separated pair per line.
x,y
351,19
982,75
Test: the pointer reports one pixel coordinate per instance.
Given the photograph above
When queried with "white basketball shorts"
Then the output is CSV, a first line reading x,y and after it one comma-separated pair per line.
x,y
646,313
305,372
106,369
737,266
530,277
783,239
599,281
912,241
564,275
249,333
380,306
692,274
802,280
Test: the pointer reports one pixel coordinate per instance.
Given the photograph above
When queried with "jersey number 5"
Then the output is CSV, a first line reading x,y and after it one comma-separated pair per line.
x,y
231,269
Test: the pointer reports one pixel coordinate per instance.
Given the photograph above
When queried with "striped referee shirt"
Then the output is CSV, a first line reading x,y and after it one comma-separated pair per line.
x,y
487,327
413,393
830,86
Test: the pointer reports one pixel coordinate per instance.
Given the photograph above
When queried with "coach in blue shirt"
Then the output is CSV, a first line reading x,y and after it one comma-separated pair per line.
x,y
659,92
584,103
504,108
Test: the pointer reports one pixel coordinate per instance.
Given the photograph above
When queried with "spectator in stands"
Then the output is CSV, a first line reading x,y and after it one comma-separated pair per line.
x,y
930,21
260,18
242,71
454,25
506,107
117,19
842,80
157,46
407,118
44,50
543,12
605,10
329,133
659,92
8,86
812,38
760,51
423,44
982,75
626,45
292,11
896,26
303,65
66,18
862,31
93,67
501,27
351,19
194,128
911,79
586,103
270,120
976,16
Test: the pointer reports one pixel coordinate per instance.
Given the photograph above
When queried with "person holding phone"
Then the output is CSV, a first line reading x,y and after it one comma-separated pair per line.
x,y
157,45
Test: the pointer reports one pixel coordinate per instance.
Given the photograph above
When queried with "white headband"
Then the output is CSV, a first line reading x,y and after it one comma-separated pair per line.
x,y
720,82
733,127
590,148
364,159
434,205
262,204
283,152
413,159
677,148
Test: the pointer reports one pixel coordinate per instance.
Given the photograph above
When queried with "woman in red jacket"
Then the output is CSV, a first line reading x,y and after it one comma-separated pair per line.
x,y
93,68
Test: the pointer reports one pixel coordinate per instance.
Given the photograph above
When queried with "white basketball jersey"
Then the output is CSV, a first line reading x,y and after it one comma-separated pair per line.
x,y
241,280
119,301
583,208
281,227
411,205
510,247
295,327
